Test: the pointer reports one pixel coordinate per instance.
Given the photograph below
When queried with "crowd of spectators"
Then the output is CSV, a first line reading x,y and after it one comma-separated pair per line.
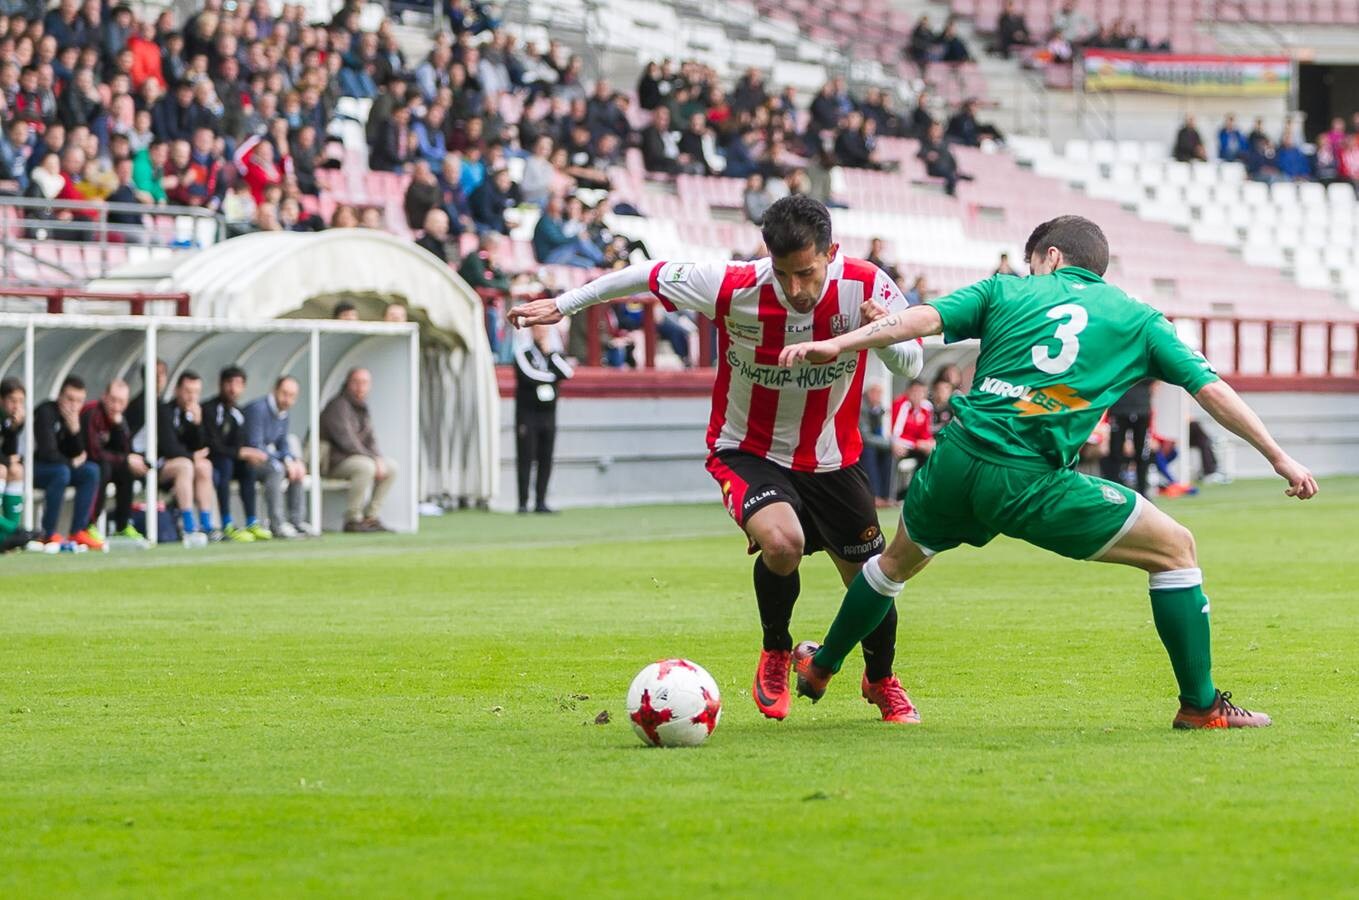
x,y
1332,156
1071,31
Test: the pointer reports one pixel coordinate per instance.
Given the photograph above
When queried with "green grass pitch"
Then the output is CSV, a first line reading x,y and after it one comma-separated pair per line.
x,y
379,716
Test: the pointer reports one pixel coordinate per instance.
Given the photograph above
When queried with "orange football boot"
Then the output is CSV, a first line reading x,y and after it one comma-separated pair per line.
x,y
770,689
889,696
812,680
1222,714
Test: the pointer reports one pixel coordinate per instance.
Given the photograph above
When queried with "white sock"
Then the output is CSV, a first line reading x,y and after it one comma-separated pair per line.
x,y
877,579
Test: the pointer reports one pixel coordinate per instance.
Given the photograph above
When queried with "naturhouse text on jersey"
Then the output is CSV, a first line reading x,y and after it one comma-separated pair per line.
x,y
1056,398
805,377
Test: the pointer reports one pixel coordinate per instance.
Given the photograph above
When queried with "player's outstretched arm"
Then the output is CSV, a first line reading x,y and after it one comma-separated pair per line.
x,y
625,282
916,322
1231,412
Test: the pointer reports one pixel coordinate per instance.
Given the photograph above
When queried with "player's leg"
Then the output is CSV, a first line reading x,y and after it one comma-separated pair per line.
x,y
936,516
1089,518
760,499
1165,549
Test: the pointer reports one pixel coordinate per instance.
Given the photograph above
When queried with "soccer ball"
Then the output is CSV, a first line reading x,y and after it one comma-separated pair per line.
x,y
674,703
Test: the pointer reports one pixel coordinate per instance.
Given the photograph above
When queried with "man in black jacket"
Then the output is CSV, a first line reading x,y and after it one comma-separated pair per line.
x,y
538,368
108,442
184,464
939,160
59,461
1129,419
224,433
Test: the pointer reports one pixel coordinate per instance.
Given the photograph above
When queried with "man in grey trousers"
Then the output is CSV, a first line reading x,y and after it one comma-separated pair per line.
x,y
347,427
266,429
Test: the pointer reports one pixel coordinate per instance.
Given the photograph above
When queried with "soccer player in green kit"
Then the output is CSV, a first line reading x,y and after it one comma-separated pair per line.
x,y
1057,349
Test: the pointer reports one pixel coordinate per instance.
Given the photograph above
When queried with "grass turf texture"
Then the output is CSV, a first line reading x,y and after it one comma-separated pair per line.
x,y
407,717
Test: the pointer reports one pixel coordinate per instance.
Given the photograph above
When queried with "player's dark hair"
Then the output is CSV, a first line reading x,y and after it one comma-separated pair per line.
x,y
794,223
72,381
282,378
1080,240
342,307
187,375
231,372
10,386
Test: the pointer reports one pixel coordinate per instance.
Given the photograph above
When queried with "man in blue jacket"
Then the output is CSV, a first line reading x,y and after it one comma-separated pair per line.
x,y
266,429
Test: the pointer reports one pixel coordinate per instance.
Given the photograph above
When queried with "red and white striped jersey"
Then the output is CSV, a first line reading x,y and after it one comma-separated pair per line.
x,y
805,418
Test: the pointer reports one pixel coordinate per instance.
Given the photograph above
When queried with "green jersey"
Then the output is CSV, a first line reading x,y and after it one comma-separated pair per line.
x,y
1056,352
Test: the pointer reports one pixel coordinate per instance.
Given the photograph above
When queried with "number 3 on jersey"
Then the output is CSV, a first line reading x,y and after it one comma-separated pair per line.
x,y
1076,320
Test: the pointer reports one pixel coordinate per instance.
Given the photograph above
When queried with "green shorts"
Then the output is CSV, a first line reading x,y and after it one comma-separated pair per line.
x,y
958,497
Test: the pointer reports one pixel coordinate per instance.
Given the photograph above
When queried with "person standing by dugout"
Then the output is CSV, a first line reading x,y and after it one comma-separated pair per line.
x,y
538,368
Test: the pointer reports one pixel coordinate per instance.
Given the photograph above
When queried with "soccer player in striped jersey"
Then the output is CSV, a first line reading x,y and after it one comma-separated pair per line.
x,y
784,444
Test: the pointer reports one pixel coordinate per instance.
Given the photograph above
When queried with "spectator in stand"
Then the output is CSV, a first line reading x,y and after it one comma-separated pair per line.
x,y
174,117
851,144
920,48
184,468
1257,133
698,142
912,427
435,236
479,270
1011,30
951,46
536,182
60,461
490,201
352,453
660,145
1231,143
232,459
12,402
1347,163
273,464
1189,143
1003,267
557,241
875,428
652,87
875,257
148,171
1075,25
920,121
422,194
262,170
756,198
396,145
963,127
1261,161
430,136
108,443
939,160
1293,163
15,151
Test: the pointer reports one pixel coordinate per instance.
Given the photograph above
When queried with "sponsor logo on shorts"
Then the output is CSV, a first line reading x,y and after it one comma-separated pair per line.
x,y
870,533
1057,398
1113,495
755,500
849,551
679,272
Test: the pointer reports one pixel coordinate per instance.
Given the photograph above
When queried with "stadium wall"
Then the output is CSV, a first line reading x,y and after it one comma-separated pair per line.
x,y
626,451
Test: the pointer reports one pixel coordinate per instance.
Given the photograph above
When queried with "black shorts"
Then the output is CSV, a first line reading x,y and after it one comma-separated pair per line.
x,y
836,509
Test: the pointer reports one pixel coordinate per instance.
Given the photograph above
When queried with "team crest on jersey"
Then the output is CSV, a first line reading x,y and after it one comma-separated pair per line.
x,y
839,324
1113,495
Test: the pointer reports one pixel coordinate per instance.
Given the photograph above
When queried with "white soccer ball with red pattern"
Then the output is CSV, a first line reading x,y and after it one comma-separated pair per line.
x,y
674,703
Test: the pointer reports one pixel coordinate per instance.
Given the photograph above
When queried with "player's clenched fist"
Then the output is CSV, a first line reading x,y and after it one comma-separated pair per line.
x,y
537,312
1301,483
809,351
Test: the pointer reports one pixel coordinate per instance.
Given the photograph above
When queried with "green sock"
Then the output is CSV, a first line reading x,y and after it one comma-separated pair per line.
x,y
12,502
8,525
1180,611
862,610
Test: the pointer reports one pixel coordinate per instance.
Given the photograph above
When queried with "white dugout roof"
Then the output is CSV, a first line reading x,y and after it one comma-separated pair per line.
x,y
261,277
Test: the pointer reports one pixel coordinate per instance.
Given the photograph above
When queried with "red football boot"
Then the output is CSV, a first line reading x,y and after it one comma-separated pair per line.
x,y
812,680
889,696
770,689
1222,714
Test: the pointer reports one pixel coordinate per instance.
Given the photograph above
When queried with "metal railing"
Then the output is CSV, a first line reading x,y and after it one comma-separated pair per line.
x,y
1278,348
68,242
53,300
